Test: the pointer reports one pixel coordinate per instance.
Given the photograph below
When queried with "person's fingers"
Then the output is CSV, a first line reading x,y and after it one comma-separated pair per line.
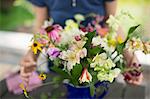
x,y
136,80
30,69
128,55
27,75
135,62
29,64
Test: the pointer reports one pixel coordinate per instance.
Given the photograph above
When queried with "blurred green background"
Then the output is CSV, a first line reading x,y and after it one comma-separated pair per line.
x,y
17,15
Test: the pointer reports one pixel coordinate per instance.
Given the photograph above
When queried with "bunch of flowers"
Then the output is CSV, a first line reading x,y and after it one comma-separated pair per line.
x,y
86,55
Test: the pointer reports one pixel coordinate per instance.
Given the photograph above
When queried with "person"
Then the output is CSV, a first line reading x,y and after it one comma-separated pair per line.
x,y
60,10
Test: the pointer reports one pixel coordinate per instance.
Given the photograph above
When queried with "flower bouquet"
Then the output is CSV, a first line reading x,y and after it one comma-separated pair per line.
x,y
88,56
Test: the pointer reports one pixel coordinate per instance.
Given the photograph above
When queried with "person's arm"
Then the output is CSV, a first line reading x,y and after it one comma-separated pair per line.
x,y
28,62
110,8
41,14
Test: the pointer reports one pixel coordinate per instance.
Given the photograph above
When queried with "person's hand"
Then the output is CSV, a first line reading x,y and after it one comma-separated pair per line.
x,y
27,66
136,80
133,77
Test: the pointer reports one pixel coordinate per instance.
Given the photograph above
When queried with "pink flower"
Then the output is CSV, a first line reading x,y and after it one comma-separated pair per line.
x,y
83,29
42,31
77,38
85,77
53,32
42,41
90,28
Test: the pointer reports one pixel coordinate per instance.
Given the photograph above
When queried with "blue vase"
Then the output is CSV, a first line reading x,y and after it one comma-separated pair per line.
x,y
83,92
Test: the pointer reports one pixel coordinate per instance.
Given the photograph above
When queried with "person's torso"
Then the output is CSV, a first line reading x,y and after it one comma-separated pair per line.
x,y
60,10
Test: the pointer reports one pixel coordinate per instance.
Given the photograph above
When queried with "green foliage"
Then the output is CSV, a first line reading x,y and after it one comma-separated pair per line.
x,y
76,73
95,50
90,36
120,47
61,72
92,89
17,16
131,30
44,96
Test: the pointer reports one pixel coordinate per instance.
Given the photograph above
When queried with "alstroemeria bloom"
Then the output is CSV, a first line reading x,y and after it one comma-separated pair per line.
x,y
53,32
77,47
70,57
99,59
96,41
85,77
53,52
135,44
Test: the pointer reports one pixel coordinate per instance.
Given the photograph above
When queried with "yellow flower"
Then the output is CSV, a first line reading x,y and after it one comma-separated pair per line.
x,y
119,39
112,42
70,24
24,90
42,76
36,46
79,17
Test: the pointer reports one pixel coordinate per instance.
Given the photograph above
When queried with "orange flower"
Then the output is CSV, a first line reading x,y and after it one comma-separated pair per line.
x,y
102,31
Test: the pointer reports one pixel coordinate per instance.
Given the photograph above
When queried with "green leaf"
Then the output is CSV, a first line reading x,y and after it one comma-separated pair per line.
x,y
92,89
76,73
120,47
131,30
95,50
90,36
57,79
44,96
56,62
89,60
60,72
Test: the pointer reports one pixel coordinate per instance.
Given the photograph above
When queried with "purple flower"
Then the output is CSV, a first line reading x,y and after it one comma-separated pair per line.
x,y
53,53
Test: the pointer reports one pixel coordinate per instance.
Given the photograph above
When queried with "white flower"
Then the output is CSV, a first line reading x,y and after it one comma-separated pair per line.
x,y
99,60
77,45
96,40
79,17
85,77
108,76
113,74
71,58
135,44
82,53
113,23
67,37
114,55
48,23
70,24
110,63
